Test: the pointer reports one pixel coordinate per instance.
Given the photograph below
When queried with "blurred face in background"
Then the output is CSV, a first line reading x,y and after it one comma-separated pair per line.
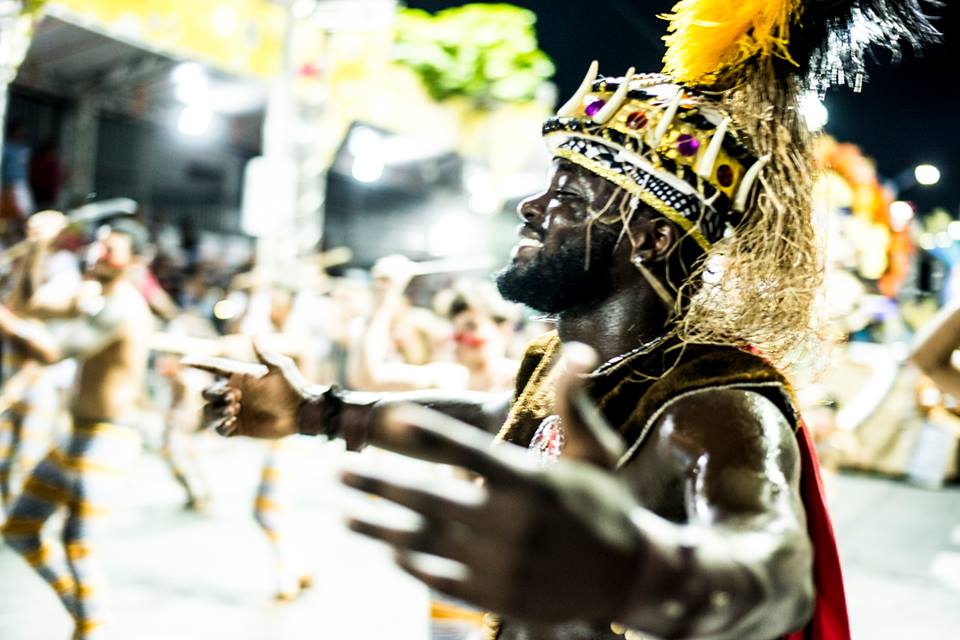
x,y
110,256
478,338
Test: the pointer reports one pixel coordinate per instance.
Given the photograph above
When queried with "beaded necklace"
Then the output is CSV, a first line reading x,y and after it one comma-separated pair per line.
x,y
646,347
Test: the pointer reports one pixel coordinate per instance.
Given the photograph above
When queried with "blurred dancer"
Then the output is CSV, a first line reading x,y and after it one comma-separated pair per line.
x,y
481,326
181,422
269,316
108,335
32,399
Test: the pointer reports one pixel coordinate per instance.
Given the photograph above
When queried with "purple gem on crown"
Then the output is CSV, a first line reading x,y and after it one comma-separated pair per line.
x,y
687,145
594,107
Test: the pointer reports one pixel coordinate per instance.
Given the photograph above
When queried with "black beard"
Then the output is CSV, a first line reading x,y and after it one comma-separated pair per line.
x,y
560,281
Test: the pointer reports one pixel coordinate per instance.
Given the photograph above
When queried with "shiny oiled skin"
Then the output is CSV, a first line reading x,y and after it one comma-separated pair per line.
x,y
728,458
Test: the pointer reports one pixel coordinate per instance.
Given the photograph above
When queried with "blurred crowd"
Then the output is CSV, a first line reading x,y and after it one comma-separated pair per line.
x,y
401,325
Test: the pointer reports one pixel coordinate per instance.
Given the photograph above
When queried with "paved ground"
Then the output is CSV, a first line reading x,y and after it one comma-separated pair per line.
x,y
184,576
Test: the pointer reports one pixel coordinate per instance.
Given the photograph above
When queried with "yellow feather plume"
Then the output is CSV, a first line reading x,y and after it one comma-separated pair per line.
x,y
709,39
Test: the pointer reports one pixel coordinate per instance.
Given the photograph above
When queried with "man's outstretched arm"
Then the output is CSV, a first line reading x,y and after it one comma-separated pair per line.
x,y
273,400
571,542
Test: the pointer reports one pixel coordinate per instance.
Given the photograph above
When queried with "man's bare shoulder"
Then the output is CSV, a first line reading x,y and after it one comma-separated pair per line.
x,y
730,433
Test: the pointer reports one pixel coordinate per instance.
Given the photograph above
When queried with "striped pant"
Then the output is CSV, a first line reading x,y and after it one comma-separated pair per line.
x,y
26,433
81,476
271,511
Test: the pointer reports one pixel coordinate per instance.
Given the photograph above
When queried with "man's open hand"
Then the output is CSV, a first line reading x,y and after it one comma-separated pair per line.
x,y
546,545
259,401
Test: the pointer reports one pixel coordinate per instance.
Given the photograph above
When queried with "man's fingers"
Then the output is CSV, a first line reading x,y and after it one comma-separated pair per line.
x,y
458,502
227,427
214,415
587,435
224,367
426,540
269,357
417,432
221,393
216,391
456,587
285,364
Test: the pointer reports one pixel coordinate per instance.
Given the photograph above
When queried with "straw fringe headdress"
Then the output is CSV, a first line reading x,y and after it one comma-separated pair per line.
x,y
718,145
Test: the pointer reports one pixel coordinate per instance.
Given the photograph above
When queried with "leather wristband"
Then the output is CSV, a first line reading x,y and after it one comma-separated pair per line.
x,y
319,414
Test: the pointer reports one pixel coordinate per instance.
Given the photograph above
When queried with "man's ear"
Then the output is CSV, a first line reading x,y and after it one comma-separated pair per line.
x,y
653,239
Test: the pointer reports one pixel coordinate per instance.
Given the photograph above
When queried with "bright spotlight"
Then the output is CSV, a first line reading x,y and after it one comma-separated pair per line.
x,y
953,229
813,111
188,72
191,84
927,174
195,120
367,167
363,140
901,213
226,309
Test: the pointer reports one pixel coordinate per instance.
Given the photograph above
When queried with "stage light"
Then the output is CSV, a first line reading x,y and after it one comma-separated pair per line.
x,y
367,148
226,309
187,71
813,111
191,84
953,229
901,213
195,120
367,167
364,140
927,174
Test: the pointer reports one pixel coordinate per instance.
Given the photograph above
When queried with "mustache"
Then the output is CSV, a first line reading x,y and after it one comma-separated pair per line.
x,y
533,230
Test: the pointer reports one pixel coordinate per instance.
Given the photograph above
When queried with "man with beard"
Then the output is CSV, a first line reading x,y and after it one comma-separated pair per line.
x,y
671,490
107,333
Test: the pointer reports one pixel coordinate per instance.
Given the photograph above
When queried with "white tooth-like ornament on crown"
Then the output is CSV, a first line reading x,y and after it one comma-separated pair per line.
x,y
743,193
709,160
573,105
667,118
616,100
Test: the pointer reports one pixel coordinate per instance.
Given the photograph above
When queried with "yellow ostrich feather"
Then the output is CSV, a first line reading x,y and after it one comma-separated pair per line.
x,y
709,39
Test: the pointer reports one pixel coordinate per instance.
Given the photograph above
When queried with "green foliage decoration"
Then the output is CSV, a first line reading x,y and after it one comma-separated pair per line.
x,y
33,6
487,53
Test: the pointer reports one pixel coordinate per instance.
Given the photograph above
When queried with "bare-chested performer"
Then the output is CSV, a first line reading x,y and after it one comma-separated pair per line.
x,y
107,333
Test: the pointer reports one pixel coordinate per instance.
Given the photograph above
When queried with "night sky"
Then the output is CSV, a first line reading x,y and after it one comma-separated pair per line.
x,y
907,113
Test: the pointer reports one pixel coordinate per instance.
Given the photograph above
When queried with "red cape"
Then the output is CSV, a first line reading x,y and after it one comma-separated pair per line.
x,y
829,620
